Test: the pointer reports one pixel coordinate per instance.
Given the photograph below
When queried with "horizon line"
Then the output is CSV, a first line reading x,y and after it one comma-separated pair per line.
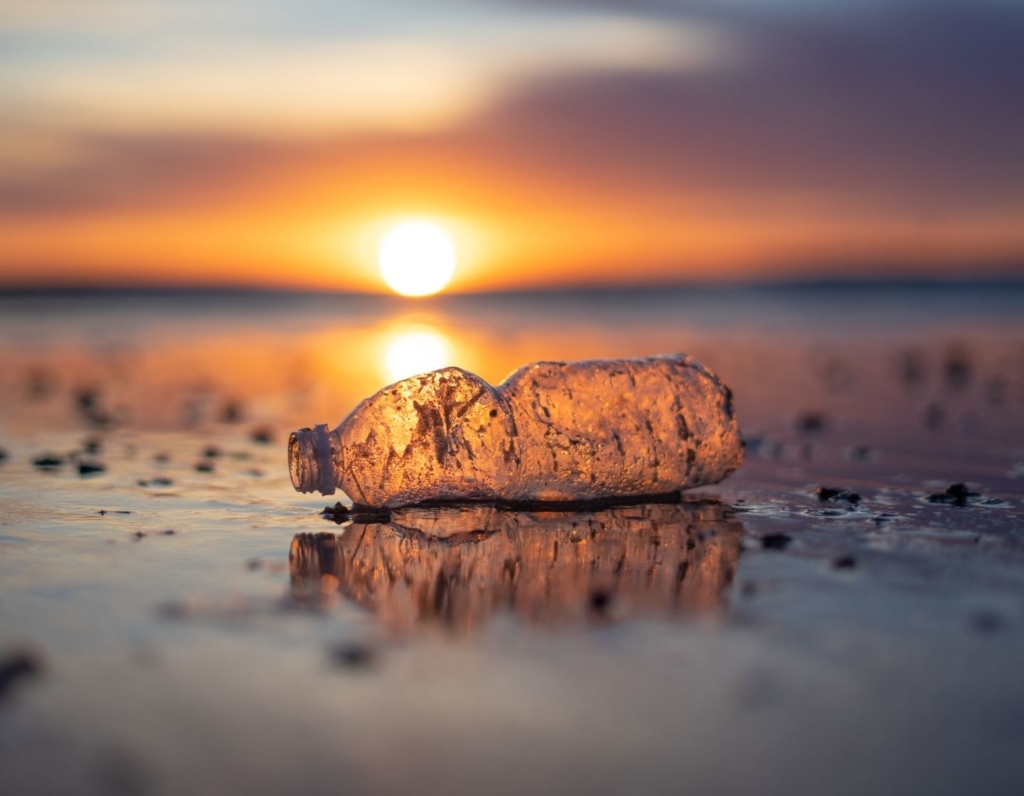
x,y
903,280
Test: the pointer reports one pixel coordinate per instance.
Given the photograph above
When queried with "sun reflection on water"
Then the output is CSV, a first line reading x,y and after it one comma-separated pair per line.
x,y
414,350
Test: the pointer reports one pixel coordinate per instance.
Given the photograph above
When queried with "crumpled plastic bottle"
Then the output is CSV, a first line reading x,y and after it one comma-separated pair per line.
x,y
552,431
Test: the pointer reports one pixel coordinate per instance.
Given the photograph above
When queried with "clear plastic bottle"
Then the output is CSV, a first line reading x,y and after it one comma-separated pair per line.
x,y
552,431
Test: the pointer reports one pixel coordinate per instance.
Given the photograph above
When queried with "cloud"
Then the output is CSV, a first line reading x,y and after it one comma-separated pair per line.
x,y
908,113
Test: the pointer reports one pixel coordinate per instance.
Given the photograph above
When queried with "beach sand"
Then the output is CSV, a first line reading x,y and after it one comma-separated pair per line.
x,y
833,618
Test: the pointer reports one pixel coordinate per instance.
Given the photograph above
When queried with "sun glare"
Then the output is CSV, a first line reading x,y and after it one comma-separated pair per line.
x,y
415,350
416,258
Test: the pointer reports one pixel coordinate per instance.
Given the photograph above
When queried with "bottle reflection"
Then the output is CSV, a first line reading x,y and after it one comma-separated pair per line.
x,y
456,567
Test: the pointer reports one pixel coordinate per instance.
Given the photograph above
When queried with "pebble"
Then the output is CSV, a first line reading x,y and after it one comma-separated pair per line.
x,y
86,468
353,655
954,494
833,494
775,541
16,666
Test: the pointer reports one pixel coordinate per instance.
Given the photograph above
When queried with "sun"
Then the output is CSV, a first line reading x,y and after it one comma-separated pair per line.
x,y
417,258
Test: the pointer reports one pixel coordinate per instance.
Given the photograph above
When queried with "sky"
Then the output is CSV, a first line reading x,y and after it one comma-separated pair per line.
x,y
271,144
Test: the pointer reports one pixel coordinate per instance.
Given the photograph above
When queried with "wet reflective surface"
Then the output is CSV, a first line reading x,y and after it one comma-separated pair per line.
x,y
174,618
456,567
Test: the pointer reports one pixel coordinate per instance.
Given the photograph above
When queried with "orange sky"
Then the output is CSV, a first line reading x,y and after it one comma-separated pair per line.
x,y
570,148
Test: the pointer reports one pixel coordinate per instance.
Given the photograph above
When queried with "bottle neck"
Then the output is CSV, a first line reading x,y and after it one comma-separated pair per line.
x,y
311,460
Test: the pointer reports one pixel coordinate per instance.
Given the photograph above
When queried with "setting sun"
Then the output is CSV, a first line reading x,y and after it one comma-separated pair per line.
x,y
416,258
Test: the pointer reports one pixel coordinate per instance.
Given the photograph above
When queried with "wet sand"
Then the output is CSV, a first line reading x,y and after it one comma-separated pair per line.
x,y
832,618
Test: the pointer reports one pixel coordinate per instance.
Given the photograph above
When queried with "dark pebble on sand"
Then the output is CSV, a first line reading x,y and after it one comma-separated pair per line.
x,y
91,468
835,494
958,368
204,467
48,461
262,435
161,458
954,495
844,562
16,666
985,621
211,452
600,601
87,401
155,482
104,512
775,541
92,446
3,454
351,655
811,423
232,412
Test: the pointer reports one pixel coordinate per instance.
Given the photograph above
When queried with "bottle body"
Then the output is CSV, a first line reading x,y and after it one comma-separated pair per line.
x,y
552,431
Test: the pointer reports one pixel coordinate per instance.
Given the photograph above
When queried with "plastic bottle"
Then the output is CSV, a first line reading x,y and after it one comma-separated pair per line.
x,y
552,431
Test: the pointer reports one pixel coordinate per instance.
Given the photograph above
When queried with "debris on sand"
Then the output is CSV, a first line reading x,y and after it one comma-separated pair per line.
x,y
204,467
16,666
844,562
775,541
954,494
811,423
48,462
262,435
352,655
232,412
3,454
834,494
87,468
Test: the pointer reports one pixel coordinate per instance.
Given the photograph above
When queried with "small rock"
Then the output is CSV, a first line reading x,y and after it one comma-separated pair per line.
x,y
48,462
90,468
16,666
3,454
211,452
958,368
232,412
352,655
836,494
204,467
987,621
600,601
262,435
811,423
92,446
844,562
775,541
162,457
954,494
